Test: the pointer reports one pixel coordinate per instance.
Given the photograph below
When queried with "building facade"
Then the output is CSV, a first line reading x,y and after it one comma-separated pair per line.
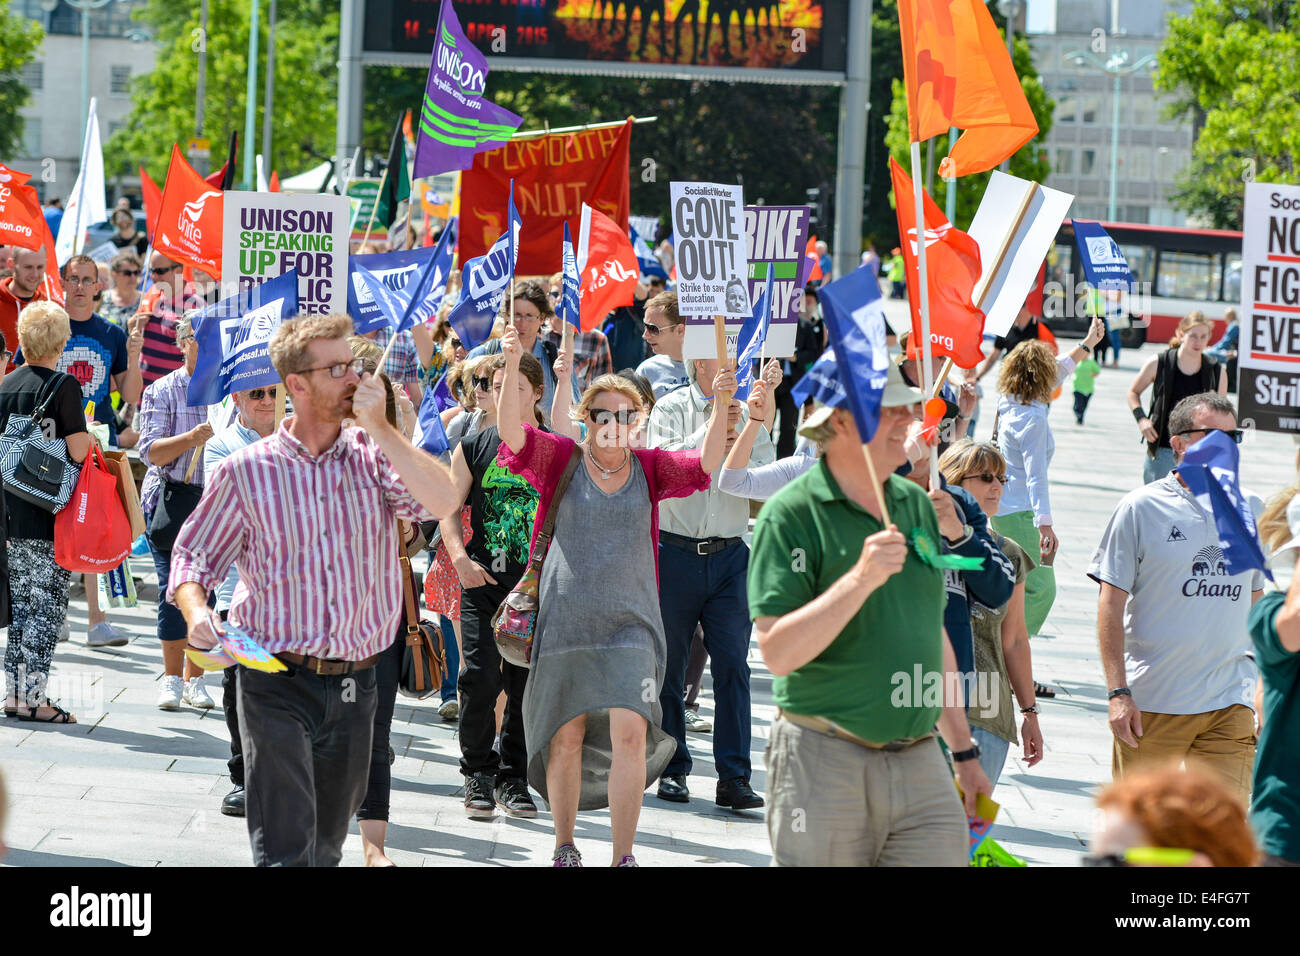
x,y
120,49
1153,150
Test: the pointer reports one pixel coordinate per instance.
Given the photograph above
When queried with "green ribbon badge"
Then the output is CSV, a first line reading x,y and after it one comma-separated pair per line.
x,y
931,554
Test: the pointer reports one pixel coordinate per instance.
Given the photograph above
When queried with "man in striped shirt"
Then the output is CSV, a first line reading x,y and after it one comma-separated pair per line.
x,y
164,304
309,515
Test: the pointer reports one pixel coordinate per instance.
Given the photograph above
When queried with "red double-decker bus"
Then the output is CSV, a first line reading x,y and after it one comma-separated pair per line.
x,y
1184,270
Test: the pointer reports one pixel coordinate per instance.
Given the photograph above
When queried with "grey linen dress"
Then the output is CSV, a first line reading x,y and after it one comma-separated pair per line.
x,y
599,641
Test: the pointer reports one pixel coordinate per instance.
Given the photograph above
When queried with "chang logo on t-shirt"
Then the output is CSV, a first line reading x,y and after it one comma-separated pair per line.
x,y
1207,565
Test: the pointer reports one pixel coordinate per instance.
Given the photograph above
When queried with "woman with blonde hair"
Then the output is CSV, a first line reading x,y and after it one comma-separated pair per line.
x,y
37,586
1181,370
1001,640
592,717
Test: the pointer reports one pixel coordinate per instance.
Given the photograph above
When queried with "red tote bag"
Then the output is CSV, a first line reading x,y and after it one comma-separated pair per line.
x,y
92,533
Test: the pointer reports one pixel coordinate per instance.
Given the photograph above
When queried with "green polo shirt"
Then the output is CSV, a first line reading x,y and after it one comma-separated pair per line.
x,y
1275,797
881,678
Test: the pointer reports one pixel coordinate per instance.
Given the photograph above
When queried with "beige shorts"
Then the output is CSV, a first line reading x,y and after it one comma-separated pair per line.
x,y
835,803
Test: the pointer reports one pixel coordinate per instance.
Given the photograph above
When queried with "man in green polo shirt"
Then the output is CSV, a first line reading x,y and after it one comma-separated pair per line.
x,y
1275,796
850,622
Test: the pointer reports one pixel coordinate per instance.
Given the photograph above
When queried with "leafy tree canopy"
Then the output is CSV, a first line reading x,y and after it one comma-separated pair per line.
x,y
19,39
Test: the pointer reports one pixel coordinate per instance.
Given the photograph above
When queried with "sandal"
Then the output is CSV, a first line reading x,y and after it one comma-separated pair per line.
x,y
60,716
1042,690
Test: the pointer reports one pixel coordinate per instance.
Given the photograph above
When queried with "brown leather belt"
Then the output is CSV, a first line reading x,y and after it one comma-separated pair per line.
x,y
823,726
324,666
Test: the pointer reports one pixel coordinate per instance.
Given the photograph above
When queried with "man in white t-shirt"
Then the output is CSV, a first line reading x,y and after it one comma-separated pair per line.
x,y
1172,623
664,333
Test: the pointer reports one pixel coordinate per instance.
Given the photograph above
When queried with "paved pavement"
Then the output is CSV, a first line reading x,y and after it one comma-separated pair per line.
x,y
132,785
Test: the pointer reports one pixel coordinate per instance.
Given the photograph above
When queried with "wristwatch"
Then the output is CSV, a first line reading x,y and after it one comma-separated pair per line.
x,y
1030,710
961,756
966,532
1119,692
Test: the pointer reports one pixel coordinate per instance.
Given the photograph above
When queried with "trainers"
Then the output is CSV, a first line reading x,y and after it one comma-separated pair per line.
x,y
512,794
567,855
628,860
479,804
449,710
697,723
169,698
104,634
196,695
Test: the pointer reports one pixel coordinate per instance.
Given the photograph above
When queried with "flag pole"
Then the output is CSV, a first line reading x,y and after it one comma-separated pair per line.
x,y
877,486
374,206
720,341
926,372
198,452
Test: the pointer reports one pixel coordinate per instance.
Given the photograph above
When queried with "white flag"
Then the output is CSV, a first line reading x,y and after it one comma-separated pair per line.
x,y
86,204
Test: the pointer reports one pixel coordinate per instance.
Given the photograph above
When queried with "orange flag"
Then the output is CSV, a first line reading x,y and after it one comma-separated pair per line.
x,y
274,184
23,225
189,218
152,201
958,73
814,267
952,269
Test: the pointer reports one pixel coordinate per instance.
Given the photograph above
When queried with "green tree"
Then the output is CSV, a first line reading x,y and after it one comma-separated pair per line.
x,y
1235,67
19,39
164,101
1029,162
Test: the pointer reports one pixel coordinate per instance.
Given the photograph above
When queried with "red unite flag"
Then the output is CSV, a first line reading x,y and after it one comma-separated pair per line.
x,y
952,269
23,225
189,218
608,266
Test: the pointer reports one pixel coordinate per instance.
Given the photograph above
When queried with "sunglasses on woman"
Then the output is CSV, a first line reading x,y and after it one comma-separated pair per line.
x,y
455,342
129,273
482,384
603,416
989,478
257,394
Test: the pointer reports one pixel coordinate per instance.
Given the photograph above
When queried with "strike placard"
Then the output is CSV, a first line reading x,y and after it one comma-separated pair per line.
x,y
1268,356
712,271
266,234
778,235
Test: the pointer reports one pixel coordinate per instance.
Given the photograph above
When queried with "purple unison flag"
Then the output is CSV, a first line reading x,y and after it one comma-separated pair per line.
x,y
456,121
855,318
1209,469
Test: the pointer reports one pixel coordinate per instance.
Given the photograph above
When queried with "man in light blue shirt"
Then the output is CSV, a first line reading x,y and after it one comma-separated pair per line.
x,y
255,420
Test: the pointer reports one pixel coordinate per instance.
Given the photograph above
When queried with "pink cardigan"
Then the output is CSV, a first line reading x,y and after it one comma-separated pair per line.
x,y
670,474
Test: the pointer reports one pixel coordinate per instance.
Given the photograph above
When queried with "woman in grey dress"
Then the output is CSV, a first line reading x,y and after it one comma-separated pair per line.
x,y
591,706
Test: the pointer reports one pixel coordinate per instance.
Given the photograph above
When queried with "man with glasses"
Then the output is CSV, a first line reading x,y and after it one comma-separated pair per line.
x,y
664,333
590,349
255,420
28,284
1172,623
310,517
169,299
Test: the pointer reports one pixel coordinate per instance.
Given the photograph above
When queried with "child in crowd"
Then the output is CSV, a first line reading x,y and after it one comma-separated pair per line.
x,y
1085,383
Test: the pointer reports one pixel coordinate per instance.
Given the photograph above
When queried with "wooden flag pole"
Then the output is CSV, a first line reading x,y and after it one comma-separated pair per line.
x,y
379,367
374,206
879,488
942,377
926,371
198,452
720,341
281,393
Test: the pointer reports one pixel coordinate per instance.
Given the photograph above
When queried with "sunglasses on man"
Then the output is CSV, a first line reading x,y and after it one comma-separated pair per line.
x,y
257,394
659,329
603,416
162,270
1236,434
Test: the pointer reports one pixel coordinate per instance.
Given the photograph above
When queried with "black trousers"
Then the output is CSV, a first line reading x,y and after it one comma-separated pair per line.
x,y
483,675
230,707
306,742
379,785
788,412
1080,404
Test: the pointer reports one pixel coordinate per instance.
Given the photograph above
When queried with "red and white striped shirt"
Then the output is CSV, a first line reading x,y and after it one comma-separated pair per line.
x,y
315,540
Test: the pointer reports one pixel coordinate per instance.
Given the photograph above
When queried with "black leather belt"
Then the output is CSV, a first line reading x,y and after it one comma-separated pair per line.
x,y
699,546
324,666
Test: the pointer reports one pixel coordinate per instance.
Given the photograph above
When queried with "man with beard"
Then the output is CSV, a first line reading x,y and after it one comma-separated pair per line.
x,y
310,515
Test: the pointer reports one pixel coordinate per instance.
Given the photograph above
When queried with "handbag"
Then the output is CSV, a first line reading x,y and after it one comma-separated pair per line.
x,y
515,620
32,467
424,659
176,502
93,535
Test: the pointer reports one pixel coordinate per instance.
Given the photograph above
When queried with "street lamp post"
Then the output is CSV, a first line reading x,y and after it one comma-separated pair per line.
x,y
1117,67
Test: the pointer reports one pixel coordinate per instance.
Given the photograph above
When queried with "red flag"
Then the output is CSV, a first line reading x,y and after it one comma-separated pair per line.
x,y
958,73
553,176
609,272
952,268
21,217
274,184
189,218
217,178
152,201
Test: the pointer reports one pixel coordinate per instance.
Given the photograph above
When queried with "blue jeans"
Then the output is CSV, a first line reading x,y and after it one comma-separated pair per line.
x,y
1114,343
708,590
993,752
171,622
1153,469
453,658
